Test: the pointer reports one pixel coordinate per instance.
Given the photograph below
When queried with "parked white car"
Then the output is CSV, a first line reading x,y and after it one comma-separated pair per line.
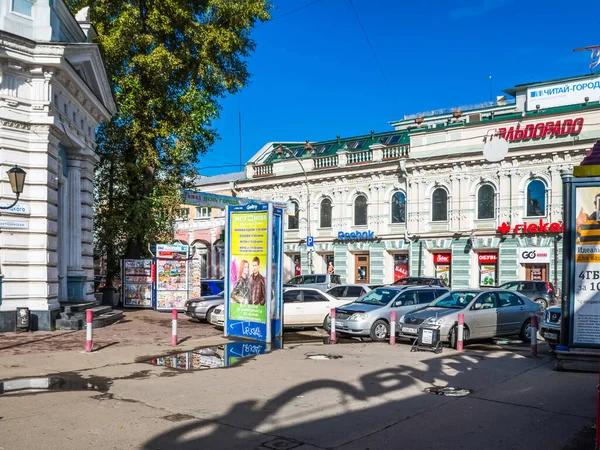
x,y
302,307
307,307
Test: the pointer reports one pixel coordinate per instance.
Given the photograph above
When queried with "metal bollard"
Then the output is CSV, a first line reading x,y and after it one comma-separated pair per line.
x,y
89,318
460,333
174,331
393,328
332,315
534,328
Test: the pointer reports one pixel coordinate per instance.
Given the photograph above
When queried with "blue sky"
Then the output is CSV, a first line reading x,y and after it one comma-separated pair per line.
x,y
315,73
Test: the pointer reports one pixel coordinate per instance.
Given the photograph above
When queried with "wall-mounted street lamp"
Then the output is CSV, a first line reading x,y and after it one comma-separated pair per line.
x,y
16,176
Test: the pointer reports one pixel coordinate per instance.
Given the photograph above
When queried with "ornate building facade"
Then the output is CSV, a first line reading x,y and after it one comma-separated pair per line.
x,y
423,200
54,92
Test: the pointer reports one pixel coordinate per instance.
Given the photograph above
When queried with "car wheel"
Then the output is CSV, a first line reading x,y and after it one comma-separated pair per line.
x,y
327,323
541,301
525,334
209,314
379,330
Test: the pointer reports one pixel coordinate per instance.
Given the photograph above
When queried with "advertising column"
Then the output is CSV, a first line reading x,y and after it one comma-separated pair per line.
x,y
246,299
171,276
488,269
442,263
585,281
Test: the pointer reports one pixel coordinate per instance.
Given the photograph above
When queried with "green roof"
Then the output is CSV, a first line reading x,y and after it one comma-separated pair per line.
x,y
351,144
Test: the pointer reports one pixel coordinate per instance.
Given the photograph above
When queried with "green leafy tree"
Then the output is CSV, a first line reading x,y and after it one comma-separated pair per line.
x,y
170,62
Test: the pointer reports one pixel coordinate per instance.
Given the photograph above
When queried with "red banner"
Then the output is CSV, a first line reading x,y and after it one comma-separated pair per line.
x,y
487,258
442,258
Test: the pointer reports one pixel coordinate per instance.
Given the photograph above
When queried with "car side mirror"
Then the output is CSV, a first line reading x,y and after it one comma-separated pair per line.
x,y
398,303
477,306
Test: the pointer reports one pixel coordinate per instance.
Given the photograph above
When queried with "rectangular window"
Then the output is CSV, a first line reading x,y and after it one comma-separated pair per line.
x,y
202,212
183,213
22,7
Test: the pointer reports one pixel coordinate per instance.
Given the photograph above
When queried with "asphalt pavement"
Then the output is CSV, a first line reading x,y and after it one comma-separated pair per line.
x,y
308,395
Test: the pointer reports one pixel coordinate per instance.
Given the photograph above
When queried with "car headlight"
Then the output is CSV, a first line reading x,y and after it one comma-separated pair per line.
x,y
434,321
358,316
401,320
199,303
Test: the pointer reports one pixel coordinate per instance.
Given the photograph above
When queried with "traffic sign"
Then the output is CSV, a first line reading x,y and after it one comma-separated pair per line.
x,y
310,241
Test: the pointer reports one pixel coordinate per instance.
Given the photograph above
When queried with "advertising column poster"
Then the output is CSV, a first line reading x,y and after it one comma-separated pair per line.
x,y
171,276
137,283
585,307
196,277
248,256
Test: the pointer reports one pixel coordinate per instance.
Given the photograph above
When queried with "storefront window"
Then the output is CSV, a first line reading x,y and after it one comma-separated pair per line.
x,y
485,202
294,221
400,266
439,205
399,208
326,213
360,210
488,269
536,198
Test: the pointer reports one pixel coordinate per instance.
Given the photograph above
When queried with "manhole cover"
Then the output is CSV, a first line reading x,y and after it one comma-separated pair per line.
x,y
280,444
320,357
178,417
448,391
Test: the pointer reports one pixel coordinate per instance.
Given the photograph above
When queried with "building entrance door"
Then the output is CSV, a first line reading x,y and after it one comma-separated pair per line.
x,y
537,272
361,268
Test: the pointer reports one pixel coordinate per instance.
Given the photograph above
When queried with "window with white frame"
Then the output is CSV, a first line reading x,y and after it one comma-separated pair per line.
x,y
485,202
22,7
398,207
294,221
536,198
325,221
360,210
183,213
203,212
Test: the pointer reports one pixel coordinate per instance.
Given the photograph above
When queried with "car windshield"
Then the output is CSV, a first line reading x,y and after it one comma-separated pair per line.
x,y
456,299
379,297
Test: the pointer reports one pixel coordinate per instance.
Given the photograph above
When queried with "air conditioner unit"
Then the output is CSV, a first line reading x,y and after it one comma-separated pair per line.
x,y
474,118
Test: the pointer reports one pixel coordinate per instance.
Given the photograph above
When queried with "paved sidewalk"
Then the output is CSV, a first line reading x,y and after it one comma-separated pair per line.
x,y
138,327
370,397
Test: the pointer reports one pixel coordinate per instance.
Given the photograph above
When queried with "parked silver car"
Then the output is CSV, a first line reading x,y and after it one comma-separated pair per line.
x,y
370,314
487,314
350,292
202,308
322,282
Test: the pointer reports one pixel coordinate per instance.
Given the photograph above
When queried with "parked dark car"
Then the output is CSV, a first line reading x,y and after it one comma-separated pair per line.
x,y
420,281
541,292
550,329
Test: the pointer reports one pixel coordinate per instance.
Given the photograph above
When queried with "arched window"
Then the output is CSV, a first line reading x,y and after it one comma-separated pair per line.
x,y
439,205
485,202
399,207
536,198
360,210
326,213
294,221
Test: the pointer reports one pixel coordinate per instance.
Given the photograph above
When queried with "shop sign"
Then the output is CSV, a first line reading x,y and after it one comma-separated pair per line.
x,y
442,258
487,258
532,228
534,255
541,130
356,236
171,251
573,93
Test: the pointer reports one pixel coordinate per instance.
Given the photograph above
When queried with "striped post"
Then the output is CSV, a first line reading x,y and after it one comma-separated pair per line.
x,y
174,329
534,328
332,315
89,318
460,334
393,328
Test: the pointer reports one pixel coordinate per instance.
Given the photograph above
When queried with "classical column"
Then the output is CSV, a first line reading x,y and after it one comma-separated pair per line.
x,y
63,236
75,273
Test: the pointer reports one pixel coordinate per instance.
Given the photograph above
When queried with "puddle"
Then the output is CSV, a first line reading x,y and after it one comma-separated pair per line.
x,y
178,417
507,341
323,357
52,383
448,391
226,355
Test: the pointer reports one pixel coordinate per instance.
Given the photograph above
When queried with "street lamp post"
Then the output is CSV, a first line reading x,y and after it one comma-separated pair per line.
x,y
308,148
16,176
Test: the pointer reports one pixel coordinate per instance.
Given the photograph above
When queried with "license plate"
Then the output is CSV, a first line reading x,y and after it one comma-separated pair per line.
x,y
551,336
339,324
409,330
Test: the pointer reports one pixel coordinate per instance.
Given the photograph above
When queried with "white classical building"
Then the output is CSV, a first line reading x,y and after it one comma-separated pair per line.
x,y
54,92
422,200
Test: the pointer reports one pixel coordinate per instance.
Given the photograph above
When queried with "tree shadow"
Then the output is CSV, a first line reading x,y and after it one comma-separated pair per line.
x,y
243,426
